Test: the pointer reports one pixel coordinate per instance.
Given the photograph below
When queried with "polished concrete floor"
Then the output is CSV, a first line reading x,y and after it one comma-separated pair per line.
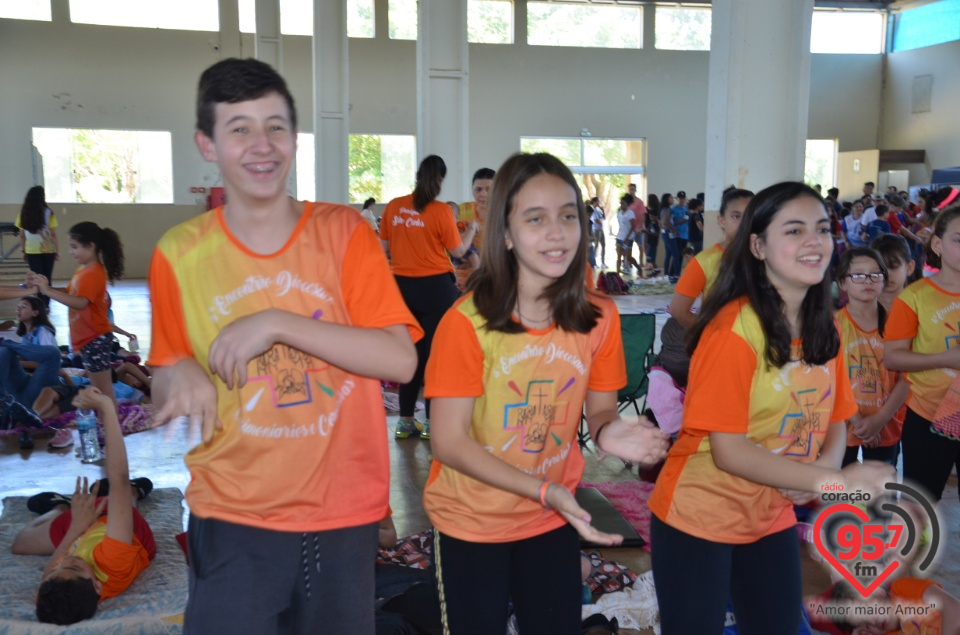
x,y
159,453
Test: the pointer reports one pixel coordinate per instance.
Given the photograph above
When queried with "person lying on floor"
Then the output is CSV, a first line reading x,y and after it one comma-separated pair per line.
x,y
96,552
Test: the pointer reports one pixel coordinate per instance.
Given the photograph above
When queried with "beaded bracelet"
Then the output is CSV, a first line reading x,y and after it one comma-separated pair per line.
x,y
544,487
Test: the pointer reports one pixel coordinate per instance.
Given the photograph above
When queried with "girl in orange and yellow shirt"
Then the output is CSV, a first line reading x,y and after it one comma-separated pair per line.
x,y
513,363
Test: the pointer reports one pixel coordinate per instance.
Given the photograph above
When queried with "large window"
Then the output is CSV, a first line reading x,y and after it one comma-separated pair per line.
x,y
26,9
604,167
490,21
928,24
402,20
847,32
189,15
820,166
584,25
105,166
683,28
381,166
296,17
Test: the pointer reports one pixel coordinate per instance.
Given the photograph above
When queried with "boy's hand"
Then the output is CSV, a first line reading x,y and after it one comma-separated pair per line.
x,y
90,397
84,509
189,393
634,439
239,342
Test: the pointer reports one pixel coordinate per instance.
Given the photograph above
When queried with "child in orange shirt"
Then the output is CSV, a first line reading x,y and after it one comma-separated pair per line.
x,y
762,426
96,552
100,255
514,362
273,322
878,391
922,339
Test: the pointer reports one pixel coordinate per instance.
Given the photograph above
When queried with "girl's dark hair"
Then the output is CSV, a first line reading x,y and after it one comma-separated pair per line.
x,y
430,177
107,243
33,215
42,318
370,201
653,204
944,217
742,274
843,269
730,195
494,284
663,200
893,249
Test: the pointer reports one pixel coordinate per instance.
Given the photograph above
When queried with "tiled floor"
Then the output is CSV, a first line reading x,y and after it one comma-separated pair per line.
x,y
159,453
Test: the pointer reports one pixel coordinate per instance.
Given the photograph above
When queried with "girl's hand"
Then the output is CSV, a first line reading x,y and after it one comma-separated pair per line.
x,y
38,280
188,392
798,497
560,498
634,439
867,427
91,397
239,343
868,477
84,509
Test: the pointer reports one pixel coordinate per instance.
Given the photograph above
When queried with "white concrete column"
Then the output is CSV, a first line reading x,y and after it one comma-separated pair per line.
x,y
758,96
443,91
229,28
331,116
268,45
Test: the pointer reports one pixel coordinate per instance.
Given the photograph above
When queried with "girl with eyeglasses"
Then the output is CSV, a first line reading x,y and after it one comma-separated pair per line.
x,y
878,391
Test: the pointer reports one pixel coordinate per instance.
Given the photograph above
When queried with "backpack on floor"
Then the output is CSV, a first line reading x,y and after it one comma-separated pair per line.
x,y
612,284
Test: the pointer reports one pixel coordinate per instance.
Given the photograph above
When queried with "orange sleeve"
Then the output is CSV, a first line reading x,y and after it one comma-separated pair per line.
x,y
608,370
692,281
386,222
370,292
92,284
844,404
455,367
721,371
121,562
902,323
170,342
449,236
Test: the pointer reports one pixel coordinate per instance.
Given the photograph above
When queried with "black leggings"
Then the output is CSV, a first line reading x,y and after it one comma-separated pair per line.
x,y
695,578
928,458
541,575
888,454
428,299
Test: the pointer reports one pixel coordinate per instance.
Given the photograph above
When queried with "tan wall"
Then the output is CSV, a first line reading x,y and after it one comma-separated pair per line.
x,y
849,180
139,226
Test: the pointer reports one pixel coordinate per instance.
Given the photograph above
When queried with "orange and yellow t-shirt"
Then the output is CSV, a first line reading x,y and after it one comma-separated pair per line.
x,y
870,379
734,389
86,325
930,316
701,272
419,241
302,446
528,391
116,564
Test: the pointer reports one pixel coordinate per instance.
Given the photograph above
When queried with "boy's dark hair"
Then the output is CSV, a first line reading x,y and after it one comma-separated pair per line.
x,y
42,319
893,249
895,200
494,284
33,213
233,80
107,244
483,173
881,210
730,195
742,274
843,269
694,204
833,192
430,177
627,198
66,602
869,184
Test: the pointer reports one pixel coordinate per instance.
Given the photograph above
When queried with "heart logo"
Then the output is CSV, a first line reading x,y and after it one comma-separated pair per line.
x,y
865,591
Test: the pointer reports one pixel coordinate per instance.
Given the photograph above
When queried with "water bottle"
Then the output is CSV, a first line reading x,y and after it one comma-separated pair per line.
x,y
89,443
